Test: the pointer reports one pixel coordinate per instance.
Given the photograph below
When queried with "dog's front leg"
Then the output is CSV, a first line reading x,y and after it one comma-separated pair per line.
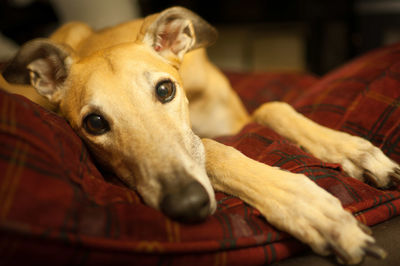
x,y
358,157
291,202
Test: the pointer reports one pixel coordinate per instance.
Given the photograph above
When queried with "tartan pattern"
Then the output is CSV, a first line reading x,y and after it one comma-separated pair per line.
x,y
57,207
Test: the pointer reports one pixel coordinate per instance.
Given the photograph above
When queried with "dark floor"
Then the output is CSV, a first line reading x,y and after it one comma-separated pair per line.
x,y
387,235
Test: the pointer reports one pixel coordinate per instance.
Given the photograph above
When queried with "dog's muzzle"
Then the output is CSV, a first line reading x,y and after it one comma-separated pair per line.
x,y
189,203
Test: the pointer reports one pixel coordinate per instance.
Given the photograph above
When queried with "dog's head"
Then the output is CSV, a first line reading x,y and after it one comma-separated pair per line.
x,y
128,104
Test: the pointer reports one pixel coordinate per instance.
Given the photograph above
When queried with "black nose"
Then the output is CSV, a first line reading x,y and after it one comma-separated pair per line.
x,y
189,203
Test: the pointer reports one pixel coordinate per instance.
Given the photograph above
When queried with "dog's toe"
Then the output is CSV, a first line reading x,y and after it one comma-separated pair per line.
x,y
370,249
395,176
383,183
375,251
384,176
370,177
364,228
356,254
341,255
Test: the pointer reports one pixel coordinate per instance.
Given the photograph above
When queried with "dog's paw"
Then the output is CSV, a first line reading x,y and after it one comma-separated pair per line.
x,y
362,160
348,240
318,219
358,157
367,249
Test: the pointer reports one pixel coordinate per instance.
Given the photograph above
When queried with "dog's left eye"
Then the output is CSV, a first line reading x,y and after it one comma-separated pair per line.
x,y
95,124
165,90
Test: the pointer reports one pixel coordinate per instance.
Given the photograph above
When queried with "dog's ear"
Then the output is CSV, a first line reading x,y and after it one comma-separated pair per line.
x,y
43,64
176,31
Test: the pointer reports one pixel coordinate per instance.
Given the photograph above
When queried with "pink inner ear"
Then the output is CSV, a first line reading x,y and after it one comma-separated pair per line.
x,y
173,37
165,39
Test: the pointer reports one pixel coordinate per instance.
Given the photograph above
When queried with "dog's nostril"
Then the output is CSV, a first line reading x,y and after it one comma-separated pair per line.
x,y
189,204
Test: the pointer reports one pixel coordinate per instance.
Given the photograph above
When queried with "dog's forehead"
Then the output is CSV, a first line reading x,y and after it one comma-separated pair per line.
x,y
127,58
119,70
122,67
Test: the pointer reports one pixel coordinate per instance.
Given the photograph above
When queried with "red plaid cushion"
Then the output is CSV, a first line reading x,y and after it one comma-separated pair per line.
x,y
57,208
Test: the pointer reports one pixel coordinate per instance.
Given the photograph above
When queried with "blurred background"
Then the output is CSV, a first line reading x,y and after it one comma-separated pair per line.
x,y
255,35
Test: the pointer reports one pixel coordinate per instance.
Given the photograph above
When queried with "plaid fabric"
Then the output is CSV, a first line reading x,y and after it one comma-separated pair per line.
x,y
57,208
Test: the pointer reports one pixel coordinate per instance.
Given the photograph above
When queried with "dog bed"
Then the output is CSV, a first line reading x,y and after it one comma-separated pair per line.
x,y
58,208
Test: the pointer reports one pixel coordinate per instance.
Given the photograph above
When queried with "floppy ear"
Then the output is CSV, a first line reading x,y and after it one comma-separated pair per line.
x,y
43,64
176,31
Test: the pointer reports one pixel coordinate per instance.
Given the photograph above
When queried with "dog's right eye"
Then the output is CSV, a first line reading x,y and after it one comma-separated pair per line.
x,y
95,124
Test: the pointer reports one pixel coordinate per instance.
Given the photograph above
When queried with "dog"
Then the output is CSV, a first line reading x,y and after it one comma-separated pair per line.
x,y
141,93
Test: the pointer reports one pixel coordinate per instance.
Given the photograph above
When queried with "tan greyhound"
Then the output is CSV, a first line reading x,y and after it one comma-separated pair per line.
x,y
121,89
